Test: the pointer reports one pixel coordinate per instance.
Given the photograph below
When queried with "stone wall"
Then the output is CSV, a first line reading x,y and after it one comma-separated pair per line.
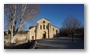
x,y
18,38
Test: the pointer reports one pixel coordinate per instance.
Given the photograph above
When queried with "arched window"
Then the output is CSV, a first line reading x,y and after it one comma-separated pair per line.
x,y
43,26
40,26
47,26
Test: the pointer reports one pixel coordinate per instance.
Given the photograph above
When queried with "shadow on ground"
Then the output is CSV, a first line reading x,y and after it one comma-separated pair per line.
x,y
22,46
60,43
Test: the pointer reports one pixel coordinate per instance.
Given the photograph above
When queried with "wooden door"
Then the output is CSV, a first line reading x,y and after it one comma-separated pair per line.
x,y
32,37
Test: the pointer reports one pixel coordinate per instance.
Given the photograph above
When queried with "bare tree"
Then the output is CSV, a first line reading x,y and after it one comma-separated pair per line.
x,y
18,14
71,24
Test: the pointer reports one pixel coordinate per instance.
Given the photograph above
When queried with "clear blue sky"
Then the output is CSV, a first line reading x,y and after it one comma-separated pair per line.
x,y
56,13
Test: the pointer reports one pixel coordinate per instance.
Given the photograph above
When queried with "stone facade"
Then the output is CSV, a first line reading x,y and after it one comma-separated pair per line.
x,y
43,30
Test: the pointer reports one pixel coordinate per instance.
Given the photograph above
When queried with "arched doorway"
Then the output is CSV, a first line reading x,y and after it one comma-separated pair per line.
x,y
44,35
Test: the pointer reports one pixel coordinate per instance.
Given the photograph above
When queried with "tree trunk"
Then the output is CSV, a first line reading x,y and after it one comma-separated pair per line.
x,y
11,34
12,31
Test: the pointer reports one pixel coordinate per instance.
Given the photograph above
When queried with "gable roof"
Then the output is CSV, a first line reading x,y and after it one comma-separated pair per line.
x,y
43,19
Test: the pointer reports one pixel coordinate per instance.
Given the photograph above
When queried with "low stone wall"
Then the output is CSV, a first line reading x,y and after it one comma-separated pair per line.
x,y
18,39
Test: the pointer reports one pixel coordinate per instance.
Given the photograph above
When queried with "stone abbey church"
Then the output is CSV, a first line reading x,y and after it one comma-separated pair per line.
x,y
43,30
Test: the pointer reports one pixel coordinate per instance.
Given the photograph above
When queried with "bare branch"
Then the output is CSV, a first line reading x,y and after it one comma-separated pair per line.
x,y
18,14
